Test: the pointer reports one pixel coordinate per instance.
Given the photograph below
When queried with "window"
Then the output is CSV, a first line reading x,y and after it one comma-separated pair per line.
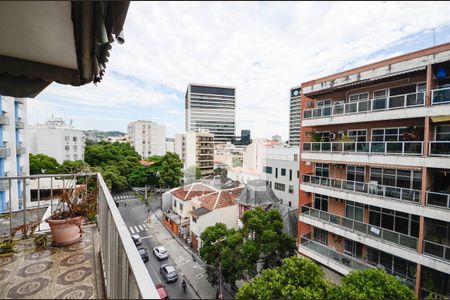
x,y
443,133
354,211
283,172
358,135
280,186
67,156
75,148
66,139
290,204
355,173
380,94
388,134
67,148
181,207
74,139
75,157
194,219
322,170
394,220
298,172
359,97
323,103
291,189
401,178
290,175
276,172
295,157
320,235
352,248
321,202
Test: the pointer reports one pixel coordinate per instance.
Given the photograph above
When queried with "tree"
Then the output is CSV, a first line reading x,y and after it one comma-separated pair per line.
x,y
220,171
113,179
373,283
264,229
296,278
142,176
72,166
170,171
41,163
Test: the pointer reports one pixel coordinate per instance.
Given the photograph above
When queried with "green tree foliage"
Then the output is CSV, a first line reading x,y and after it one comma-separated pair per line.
x,y
220,171
237,162
115,161
72,167
264,229
170,171
40,163
296,278
373,283
260,240
142,176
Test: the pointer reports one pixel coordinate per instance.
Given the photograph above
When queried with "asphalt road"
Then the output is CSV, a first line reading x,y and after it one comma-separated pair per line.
x,y
134,213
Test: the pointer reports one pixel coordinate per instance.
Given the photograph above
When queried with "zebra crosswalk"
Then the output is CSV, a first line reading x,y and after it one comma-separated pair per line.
x,y
124,197
139,228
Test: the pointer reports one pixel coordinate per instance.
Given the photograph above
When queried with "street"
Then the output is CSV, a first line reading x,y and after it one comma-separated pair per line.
x,y
134,213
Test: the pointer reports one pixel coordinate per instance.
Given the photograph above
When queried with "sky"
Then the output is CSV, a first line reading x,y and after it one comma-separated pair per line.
x,y
261,48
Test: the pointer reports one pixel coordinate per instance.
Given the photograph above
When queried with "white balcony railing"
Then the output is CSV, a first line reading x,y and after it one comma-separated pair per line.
x,y
384,148
440,148
125,274
368,230
440,96
441,200
385,191
378,104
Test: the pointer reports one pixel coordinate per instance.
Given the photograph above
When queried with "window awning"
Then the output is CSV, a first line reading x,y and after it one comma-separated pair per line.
x,y
64,42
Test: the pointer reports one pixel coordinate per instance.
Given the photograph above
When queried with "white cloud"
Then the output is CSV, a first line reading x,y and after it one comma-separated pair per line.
x,y
261,48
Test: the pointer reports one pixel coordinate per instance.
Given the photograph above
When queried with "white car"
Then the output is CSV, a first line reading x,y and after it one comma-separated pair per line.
x,y
160,252
136,239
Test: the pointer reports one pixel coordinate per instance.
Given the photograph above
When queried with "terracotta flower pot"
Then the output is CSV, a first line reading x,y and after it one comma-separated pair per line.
x,y
67,231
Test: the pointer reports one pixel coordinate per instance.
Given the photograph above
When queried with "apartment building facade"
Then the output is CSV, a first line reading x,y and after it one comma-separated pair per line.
x,y
196,149
375,169
13,153
147,137
294,115
213,108
57,139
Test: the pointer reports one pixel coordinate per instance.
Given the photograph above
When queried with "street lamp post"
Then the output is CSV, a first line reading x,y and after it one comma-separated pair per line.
x,y
220,268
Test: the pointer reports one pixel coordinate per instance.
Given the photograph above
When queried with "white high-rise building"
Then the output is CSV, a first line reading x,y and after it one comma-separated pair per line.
x,y
147,138
57,139
212,108
295,116
13,152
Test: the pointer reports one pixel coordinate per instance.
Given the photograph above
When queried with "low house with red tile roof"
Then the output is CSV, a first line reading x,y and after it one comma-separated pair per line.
x,y
176,205
217,207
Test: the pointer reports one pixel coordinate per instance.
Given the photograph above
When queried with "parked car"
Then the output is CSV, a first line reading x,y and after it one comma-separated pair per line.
x,y
160,252
144,254
168,273
136,239
161,289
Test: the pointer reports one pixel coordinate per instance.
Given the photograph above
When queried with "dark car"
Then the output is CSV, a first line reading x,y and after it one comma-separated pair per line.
x,y
144,254
168,273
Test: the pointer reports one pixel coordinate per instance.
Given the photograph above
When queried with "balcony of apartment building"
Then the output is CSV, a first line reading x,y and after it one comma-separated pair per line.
x,y
4,151
20,149
394,232
19,123
4,120
344,255
105,263
398,97
398,189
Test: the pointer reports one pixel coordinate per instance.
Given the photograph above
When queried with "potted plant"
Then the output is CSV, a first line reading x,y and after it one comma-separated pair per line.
x,y
76,204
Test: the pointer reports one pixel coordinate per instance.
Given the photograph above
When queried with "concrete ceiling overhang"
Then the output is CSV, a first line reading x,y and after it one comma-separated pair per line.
x,y
65,42
45,28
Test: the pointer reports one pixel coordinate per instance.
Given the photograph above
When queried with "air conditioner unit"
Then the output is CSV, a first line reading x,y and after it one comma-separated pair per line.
x,y
332,136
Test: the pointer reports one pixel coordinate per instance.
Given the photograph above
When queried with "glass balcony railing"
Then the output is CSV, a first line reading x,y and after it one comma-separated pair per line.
x,y
441,200
440,148
436,250
384,148
384,191
333,255
382,234
440,96
378,104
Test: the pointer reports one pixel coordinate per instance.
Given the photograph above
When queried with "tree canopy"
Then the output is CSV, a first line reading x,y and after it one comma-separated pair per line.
x,y
309,283
260,240
373,283
142,176
170,171
296,278
41,163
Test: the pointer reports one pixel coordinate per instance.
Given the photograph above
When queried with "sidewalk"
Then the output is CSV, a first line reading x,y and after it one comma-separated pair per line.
x,y
182,256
